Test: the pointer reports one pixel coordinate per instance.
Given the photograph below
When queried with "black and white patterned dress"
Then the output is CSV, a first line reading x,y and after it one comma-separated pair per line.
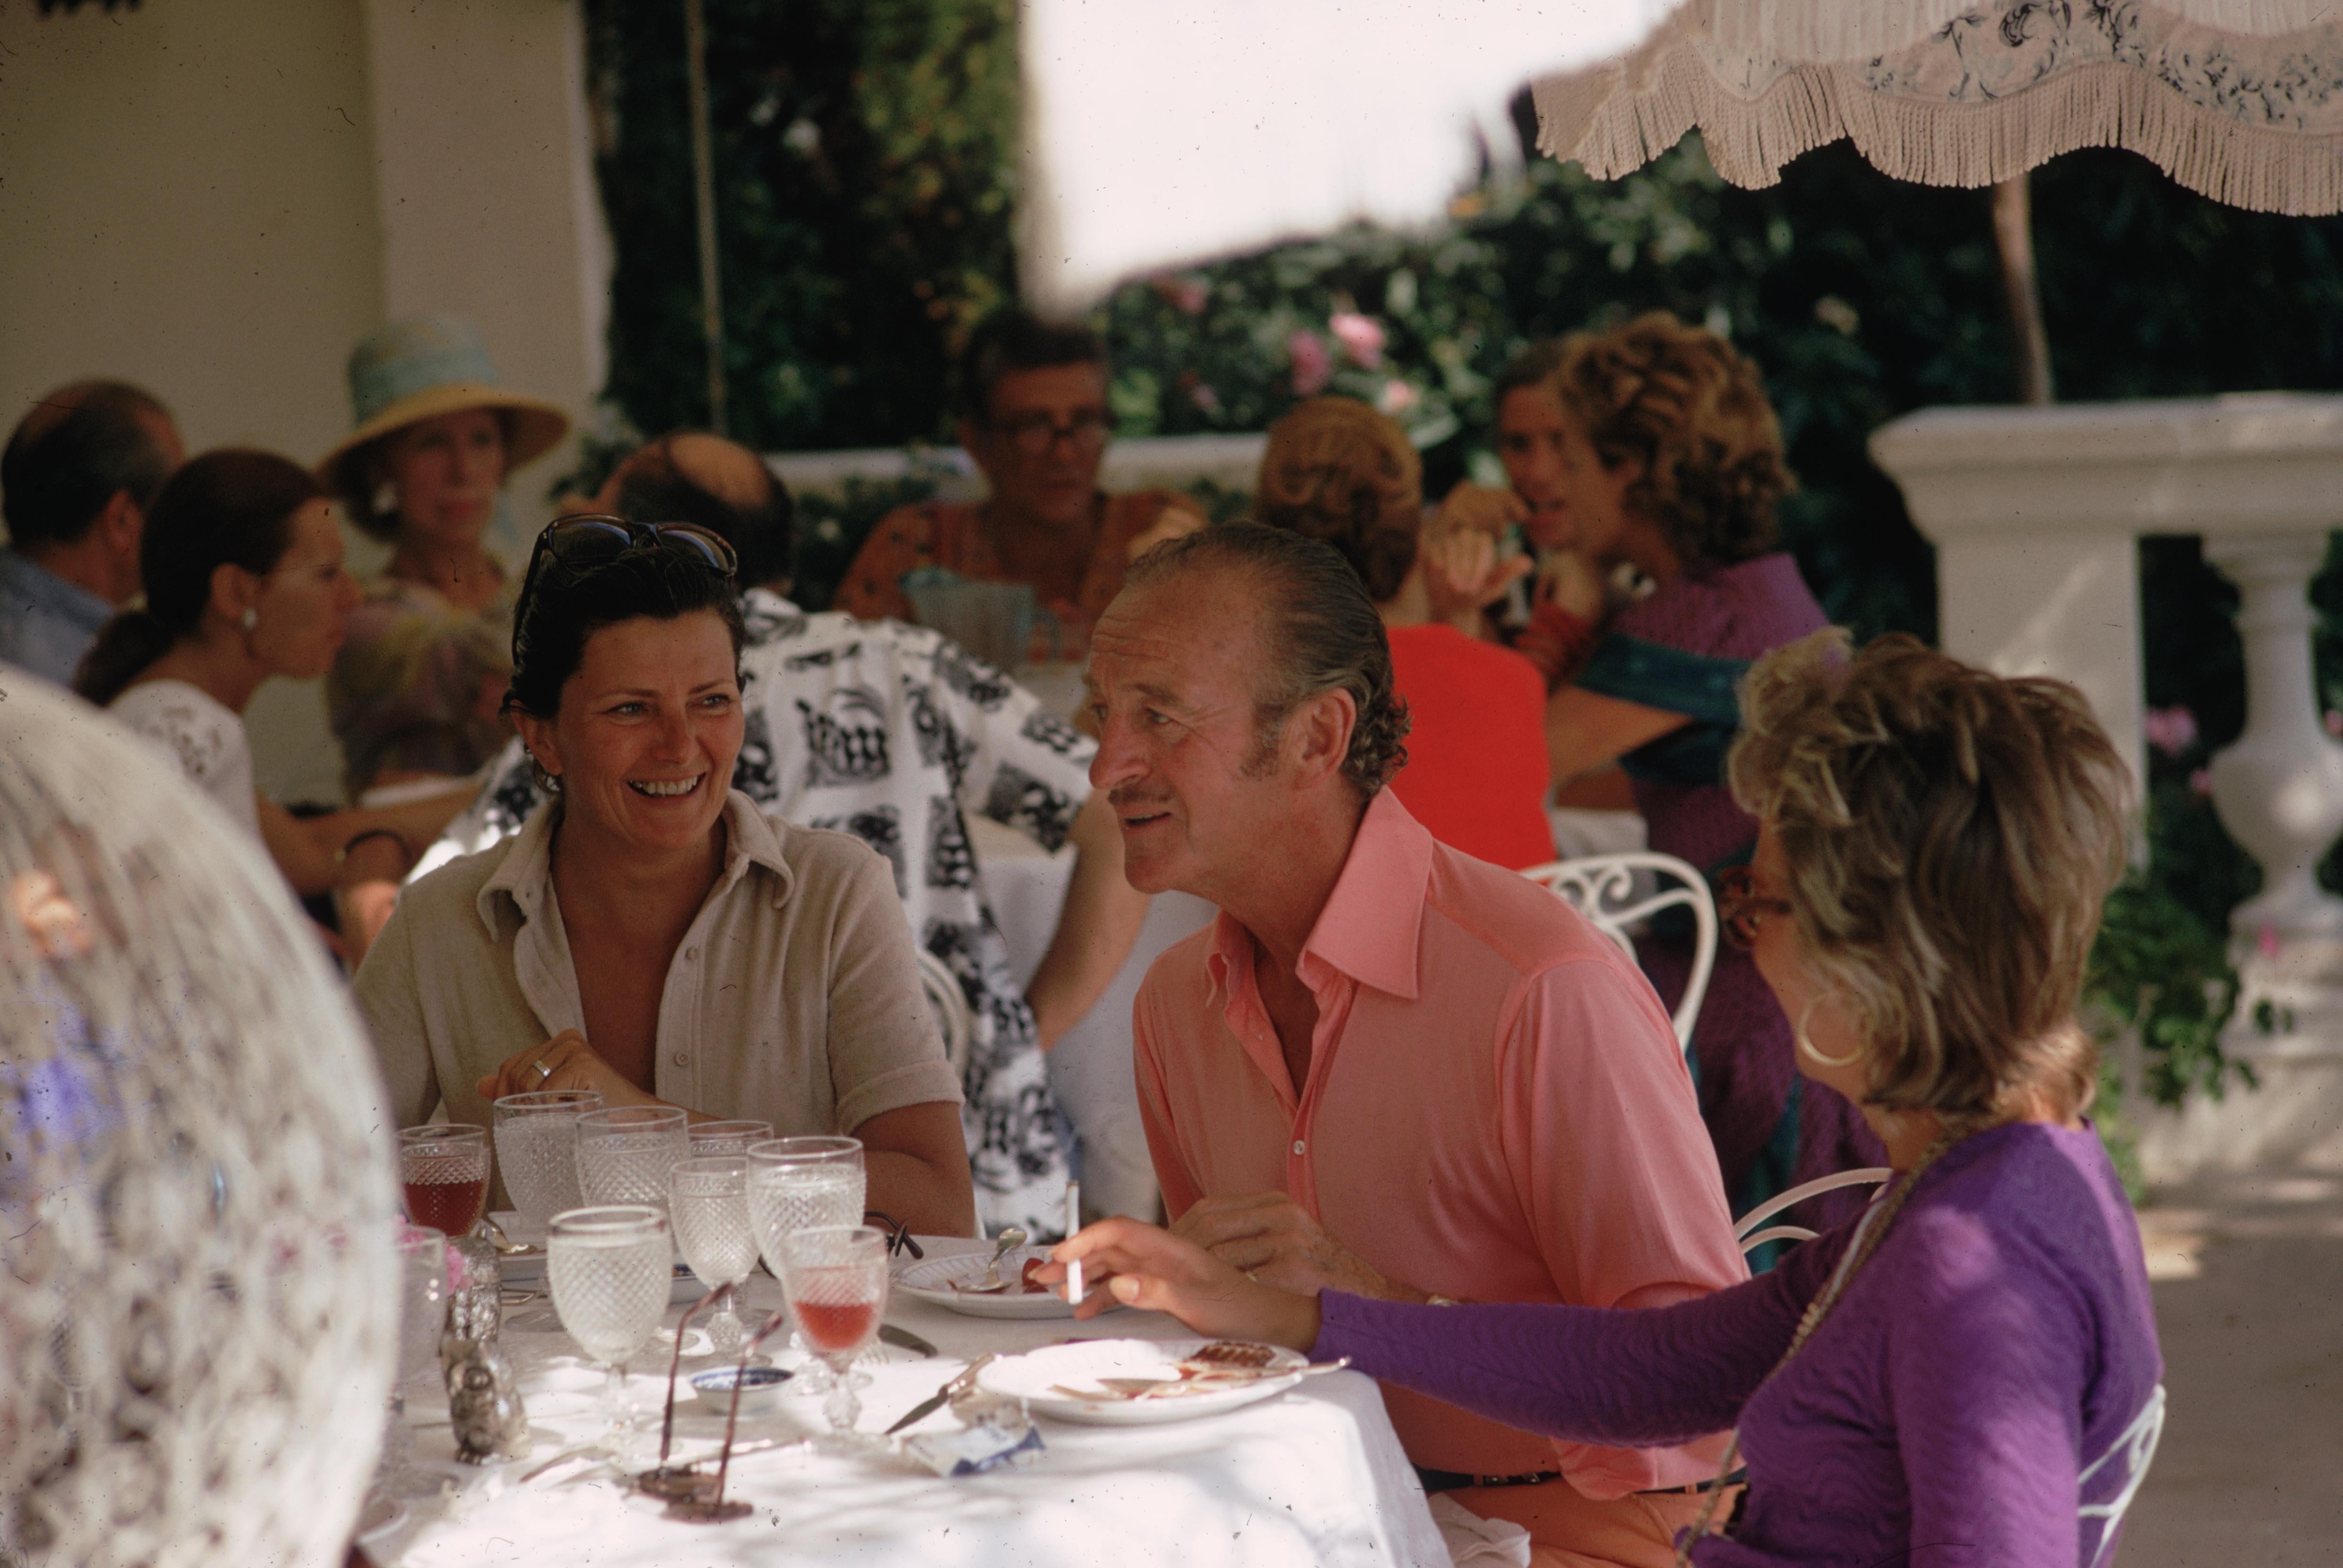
x,y
889,732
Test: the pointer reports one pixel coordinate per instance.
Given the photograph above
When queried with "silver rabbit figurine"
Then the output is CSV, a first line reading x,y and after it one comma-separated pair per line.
x,y
484,1401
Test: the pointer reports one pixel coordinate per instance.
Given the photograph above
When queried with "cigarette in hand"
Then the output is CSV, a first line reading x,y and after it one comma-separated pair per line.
x,y
1074,1223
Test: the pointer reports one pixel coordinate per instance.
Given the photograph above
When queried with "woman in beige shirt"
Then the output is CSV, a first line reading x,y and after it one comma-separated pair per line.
x,y
650,934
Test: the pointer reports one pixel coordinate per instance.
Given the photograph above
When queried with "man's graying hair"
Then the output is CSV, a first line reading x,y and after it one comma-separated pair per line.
x,y
1322,634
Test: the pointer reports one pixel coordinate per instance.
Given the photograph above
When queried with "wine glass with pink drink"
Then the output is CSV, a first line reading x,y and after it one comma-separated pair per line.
x,y
837,1287
443,1171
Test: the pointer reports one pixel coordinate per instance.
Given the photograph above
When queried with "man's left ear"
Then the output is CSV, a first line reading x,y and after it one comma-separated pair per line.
x,y
1324,728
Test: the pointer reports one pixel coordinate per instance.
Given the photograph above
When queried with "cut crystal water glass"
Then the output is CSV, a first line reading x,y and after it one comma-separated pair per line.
x,y
610,1269
837,1287
537,1149
624,1154
800,1184
708,1202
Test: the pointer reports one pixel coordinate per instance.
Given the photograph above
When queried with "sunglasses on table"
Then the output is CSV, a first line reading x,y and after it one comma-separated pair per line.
x,y
1741,909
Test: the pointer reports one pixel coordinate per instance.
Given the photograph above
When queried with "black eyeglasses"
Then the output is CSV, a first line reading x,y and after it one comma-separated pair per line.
x,y
1034,434
899,1234
1740,909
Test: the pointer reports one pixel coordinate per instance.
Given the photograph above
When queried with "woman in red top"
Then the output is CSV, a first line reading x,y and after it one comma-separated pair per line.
x,y
1476,772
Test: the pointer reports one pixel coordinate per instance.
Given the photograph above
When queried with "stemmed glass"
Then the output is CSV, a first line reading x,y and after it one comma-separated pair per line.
x,y
802,1184
444,1171
422,1313
727,1137
610,1269
624,1154
537,1148
837,1287
708,1199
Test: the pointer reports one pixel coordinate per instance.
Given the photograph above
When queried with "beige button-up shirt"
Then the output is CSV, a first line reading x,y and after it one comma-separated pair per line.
x,y
794,997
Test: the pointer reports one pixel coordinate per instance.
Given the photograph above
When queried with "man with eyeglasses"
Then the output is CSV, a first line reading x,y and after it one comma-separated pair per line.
x,y
1034,417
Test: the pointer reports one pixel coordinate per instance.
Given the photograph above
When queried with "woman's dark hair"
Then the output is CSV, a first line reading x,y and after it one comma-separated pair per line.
x,y
563,607
1322,631
365,470
1337,470
229,507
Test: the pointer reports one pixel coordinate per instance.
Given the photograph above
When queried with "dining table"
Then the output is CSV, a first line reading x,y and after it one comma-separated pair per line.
x,y
1311,1476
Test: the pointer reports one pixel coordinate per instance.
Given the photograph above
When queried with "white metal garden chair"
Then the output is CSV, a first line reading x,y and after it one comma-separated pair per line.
x,y
2135,1451
951,1004
1745,1229
1608,891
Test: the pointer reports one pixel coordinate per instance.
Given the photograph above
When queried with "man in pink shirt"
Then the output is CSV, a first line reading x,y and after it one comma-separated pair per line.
x,y
1388,1068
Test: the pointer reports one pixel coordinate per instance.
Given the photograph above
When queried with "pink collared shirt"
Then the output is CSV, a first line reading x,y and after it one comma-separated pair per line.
x,y
1496,1110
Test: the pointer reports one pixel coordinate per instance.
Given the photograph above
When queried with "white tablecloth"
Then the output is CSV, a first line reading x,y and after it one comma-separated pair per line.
x,y
1313,1476
1089,1069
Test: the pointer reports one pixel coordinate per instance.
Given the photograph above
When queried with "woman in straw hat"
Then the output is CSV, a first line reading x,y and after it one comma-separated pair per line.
x,y
415,688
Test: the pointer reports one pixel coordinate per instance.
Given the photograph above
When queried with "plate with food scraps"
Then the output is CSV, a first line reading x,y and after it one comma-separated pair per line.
x,y
952,1281
1144,1382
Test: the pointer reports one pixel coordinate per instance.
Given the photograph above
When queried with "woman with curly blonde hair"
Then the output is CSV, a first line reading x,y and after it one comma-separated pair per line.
x,y
1475,776
1671,462
1968,1374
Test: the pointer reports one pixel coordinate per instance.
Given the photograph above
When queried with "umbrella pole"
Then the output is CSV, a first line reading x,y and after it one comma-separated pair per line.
x,y
703,189
2013,234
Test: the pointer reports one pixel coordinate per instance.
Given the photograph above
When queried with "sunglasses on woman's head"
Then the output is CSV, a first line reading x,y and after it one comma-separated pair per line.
x,y
1739,907
593,539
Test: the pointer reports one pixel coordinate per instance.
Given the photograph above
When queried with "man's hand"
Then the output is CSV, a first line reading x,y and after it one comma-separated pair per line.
x,y
569,1063
1157,1272
1270,1238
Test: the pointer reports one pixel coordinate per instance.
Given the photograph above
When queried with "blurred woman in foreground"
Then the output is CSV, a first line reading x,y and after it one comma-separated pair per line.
x,y
1974,1361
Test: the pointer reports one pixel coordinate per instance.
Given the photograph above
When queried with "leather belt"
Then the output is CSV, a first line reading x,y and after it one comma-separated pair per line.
x,y
1436,1481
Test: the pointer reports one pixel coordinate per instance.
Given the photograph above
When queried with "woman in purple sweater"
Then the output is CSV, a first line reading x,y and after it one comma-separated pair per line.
x,y
1965,1376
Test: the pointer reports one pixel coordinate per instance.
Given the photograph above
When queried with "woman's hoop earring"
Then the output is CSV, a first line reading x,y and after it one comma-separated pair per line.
x,y
250,619
1806,1044
386,498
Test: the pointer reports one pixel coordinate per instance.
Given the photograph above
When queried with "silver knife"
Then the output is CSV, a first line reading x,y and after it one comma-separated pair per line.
x,y
904,1339
942,1396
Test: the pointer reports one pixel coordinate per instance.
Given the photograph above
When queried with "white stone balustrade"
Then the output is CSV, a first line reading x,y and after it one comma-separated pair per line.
x,y
2035,514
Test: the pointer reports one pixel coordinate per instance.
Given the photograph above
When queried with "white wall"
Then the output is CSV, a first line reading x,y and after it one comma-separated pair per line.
x,y
216,199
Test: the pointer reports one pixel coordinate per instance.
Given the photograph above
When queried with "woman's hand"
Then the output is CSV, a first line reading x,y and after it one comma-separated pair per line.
x,y
1463,575
569,1063
1576,582
1156,1271
1478,508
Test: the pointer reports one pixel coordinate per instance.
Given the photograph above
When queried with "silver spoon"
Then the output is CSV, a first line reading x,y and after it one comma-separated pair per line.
x,y
1008,1241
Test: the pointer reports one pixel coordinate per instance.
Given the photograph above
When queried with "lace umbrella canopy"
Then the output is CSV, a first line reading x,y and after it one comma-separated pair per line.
x,y
2240,100
1174,132
196,1286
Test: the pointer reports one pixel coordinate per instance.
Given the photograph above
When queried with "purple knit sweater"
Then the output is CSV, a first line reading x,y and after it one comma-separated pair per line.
x,y
1998,1341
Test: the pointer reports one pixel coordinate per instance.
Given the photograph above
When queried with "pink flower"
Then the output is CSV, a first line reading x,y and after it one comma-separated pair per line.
x,y
2202,781
2171,731
1361,337
1312,365
1186,294
1396,397
1204,397
2266,943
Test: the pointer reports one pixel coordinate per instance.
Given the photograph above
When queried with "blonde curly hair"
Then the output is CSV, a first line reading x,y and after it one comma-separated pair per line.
x,y
1335,470
1951,836
1691,412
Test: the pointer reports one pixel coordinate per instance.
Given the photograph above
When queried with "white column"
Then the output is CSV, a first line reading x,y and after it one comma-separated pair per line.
x,y
2279,788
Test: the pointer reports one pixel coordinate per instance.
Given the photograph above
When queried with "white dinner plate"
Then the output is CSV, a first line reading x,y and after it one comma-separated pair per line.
x,y
1039,1377
930,1280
